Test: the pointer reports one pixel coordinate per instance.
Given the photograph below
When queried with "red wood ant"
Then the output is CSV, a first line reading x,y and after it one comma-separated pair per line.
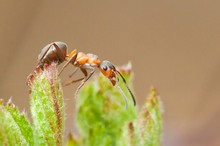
x,y
57,52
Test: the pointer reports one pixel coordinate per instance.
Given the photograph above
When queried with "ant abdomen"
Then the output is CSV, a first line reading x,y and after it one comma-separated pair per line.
x,y
53,52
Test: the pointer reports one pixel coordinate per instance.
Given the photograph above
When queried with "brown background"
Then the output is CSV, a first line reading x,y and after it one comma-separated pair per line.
x,y
172,45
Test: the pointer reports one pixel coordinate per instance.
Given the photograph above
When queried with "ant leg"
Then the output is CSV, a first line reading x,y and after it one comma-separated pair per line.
x,y
71,60
75,70
73,81
133,98
85,78
122,92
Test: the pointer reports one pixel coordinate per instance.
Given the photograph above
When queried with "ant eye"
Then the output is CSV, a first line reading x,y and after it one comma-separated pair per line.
x,y
104,68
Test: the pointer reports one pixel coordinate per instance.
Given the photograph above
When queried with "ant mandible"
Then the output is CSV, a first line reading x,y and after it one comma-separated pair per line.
x,y
57,52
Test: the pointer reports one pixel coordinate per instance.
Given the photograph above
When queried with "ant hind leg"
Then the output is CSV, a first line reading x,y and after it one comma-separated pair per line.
x,y
73,81
74,71
85,79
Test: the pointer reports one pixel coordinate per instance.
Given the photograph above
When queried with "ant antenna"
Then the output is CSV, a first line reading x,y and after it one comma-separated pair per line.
x,y
127,88
123,94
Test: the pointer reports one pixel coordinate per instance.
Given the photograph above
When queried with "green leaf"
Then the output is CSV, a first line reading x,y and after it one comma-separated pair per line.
x,y
101,112
102,119
47,107
150,120
14,127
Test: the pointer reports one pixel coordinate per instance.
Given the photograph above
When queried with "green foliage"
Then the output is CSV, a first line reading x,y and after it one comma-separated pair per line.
x,y
101,113
14,126
46,99
102,118
47,108
147,128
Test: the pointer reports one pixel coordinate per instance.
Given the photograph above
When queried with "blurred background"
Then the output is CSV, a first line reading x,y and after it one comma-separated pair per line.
x,y
173,45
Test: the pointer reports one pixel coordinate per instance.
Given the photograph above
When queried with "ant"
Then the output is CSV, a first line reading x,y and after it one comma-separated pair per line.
x,y
57,52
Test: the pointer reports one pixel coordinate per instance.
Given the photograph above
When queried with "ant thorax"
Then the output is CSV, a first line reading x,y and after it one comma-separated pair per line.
x,y
93,60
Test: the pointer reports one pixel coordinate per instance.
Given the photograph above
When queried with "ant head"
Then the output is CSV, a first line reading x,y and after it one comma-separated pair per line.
x,y
108,70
